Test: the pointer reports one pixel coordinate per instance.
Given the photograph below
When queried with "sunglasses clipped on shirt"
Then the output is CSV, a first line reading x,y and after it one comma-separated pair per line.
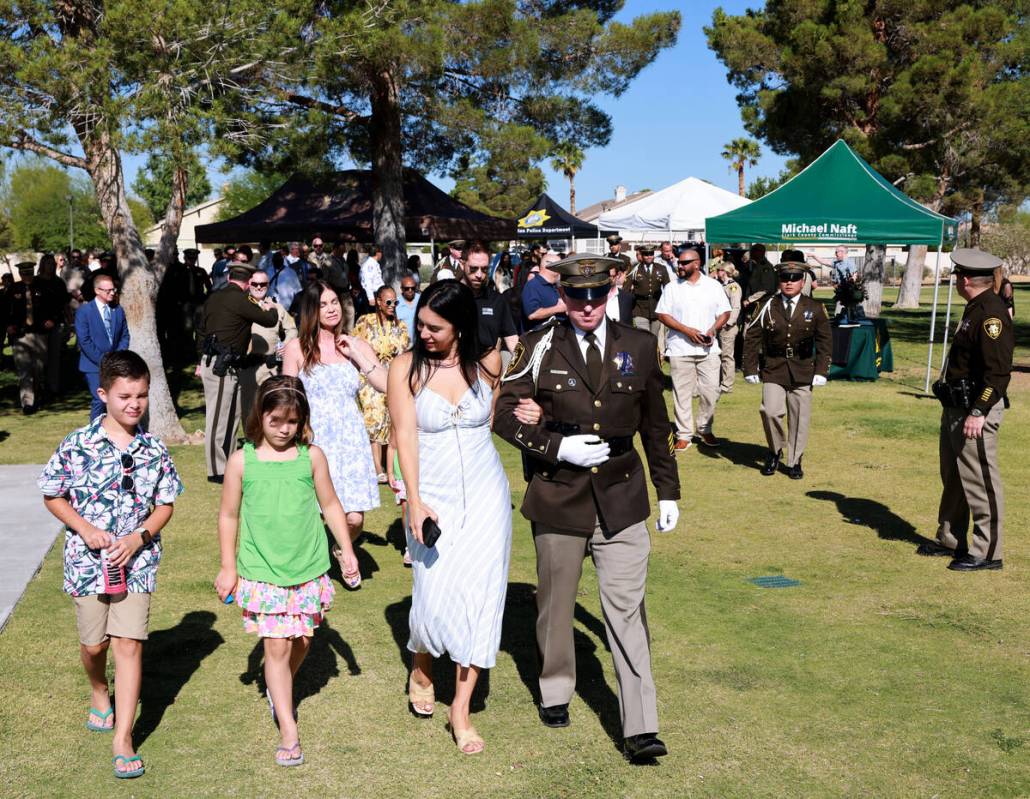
x,y
127,463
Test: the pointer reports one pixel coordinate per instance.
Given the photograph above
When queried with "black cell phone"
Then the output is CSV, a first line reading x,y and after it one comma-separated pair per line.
x,y
430,532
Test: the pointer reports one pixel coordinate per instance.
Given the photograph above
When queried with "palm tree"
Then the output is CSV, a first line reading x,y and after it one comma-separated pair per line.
x,y
740,152
567,158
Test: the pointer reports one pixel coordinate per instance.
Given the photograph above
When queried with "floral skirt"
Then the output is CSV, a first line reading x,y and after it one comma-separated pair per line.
x,y
275,611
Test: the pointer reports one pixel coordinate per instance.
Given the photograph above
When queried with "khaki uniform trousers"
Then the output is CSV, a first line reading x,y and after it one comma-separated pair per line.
x,y
222,398
971,485
620,559
727,363
794,403
30,361
656,327
690,374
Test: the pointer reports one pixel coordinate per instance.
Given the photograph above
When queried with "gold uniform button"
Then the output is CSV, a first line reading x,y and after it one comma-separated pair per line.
x,y
593,469
597,426
597,403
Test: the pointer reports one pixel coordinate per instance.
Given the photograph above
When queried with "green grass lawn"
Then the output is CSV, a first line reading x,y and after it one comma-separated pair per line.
x,y
881,674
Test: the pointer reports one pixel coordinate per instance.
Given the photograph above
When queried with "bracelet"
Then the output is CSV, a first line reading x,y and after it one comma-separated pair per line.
x,y
367,372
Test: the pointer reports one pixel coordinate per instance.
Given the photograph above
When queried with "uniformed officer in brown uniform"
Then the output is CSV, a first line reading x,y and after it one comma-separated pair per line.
x,y
973,393
598,383
615,250
792,332
34,312
224,332
646,281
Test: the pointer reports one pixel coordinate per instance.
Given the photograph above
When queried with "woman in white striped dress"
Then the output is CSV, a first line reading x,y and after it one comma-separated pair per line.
x,y
441,401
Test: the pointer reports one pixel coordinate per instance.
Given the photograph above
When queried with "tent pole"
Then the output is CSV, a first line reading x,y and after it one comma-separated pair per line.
x,y
933,311
947,317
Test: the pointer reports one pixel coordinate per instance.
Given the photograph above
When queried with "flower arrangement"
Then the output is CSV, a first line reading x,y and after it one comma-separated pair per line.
x,y
849,294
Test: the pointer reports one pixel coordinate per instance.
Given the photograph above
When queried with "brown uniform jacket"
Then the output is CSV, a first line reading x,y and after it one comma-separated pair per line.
x,y
228,315
647,285
795,349
982,349
628,400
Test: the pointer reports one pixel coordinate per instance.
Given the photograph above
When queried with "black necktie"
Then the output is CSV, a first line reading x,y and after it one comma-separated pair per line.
x,y
593,360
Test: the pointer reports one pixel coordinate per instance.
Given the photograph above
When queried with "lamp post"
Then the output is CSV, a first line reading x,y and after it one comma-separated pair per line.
x,y
71,224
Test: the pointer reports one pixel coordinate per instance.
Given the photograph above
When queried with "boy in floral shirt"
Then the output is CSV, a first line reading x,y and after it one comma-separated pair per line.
x,y
112,486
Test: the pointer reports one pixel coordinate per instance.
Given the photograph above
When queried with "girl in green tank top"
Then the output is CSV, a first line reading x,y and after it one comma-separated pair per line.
x,y
273,491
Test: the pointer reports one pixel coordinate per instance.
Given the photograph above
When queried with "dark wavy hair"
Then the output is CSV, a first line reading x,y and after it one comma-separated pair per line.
x,y
310,305
455,302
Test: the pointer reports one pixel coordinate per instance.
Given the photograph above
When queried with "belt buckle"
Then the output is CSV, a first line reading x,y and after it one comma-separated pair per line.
x,y
790,352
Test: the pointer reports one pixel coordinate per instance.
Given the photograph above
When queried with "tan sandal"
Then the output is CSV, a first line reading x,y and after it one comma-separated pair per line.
x,y
467,737
420,696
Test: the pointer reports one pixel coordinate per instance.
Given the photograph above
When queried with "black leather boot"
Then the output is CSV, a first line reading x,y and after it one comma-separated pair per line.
x,y
772,463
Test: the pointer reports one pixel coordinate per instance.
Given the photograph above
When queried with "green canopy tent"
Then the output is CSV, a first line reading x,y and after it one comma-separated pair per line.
x,y
839,199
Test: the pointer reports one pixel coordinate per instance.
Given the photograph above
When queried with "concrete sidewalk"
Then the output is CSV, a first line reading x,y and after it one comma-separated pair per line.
x,y
27,531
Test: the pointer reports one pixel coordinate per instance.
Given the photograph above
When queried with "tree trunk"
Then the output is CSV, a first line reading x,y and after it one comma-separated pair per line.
x,y
974,223
872,273
572,194
740,180
139,280
912,281
387,175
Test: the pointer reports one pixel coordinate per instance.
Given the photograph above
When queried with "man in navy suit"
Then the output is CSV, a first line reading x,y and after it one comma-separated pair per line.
x,y
100,328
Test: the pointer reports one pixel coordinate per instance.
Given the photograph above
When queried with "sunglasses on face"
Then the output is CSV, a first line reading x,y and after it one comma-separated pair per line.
x,y
406,289
259,285
684,263
389,303
127,463
791,277
474,269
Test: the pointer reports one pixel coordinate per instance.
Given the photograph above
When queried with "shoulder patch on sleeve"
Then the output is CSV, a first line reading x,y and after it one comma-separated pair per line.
x,y
992,327
516,359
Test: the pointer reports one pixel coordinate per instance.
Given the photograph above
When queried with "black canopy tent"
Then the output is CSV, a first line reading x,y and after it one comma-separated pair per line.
x,y
546,219
338,206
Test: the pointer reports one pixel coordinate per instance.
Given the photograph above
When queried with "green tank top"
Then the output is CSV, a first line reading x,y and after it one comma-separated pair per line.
x,y
282,538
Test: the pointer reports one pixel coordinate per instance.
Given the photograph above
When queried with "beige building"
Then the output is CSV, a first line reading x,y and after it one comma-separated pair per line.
x,y
203,214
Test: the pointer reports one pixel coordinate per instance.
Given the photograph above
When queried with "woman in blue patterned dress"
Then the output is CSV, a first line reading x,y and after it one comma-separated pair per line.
x,y
329,362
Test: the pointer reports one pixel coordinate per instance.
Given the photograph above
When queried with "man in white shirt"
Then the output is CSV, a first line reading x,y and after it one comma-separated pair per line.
x,y
694,309
372,274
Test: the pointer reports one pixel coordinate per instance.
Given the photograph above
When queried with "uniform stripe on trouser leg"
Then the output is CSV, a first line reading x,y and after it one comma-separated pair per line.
x,y
212,450
230,429
992,498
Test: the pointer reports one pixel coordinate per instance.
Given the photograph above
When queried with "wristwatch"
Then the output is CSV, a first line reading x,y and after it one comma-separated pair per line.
x,y
145,535
976,412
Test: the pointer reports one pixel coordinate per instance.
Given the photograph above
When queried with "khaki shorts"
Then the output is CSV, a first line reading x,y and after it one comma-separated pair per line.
x,y
100,617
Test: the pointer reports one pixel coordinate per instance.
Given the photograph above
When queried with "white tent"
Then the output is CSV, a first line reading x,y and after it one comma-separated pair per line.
x,y
676,212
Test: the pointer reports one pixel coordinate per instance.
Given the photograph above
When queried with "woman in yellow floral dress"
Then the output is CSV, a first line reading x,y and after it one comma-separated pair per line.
x,y
388,338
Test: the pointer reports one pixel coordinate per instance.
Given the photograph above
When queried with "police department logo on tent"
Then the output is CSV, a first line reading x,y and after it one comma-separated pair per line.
x,y
534,218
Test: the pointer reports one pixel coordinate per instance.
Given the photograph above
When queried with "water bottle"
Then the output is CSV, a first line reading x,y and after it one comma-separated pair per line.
x,y
114,576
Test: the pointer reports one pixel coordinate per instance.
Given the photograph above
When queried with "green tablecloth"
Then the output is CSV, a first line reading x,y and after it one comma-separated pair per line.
x,y
862,352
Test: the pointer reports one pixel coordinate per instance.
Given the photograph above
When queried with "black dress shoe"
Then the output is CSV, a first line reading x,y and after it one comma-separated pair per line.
x,y
772,463
931,549
794,472
554,716
28,410
644,748
967,563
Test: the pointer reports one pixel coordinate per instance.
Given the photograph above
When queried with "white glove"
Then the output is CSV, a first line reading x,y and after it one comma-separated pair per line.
x,y
818,380
583,450
668,515
752,379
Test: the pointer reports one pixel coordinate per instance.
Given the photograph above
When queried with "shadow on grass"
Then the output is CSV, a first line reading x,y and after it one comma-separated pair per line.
x,y
874,515
319,667
739,453
170,657
367,565
518,640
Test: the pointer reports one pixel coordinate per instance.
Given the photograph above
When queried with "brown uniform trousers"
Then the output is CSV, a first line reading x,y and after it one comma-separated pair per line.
x,y
981,353
795,350
601,510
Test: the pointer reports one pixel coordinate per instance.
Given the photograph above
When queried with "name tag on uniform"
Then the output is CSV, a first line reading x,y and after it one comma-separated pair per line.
x,y
488,311
559,372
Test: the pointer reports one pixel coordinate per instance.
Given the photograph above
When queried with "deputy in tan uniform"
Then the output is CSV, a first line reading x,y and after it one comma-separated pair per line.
x,y
598,384
225,332
792,332
646,281
973,393
726,273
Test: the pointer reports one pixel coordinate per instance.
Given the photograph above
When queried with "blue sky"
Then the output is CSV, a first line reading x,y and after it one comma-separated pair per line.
x,y
671,124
